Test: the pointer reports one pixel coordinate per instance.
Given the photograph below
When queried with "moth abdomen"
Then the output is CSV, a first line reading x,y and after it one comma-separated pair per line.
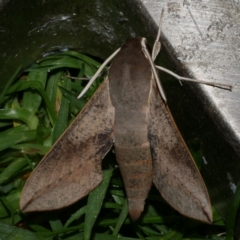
x,y
135,164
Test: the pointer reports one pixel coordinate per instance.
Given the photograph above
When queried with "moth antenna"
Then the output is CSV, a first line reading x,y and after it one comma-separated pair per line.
x,y
157,43
98,72
219,85
145,51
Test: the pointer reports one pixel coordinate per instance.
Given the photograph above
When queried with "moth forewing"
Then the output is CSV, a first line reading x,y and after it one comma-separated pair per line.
x,y
72,168
175,173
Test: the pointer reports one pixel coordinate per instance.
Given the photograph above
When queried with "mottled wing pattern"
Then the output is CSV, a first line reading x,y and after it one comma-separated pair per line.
x,y
175,173
72,168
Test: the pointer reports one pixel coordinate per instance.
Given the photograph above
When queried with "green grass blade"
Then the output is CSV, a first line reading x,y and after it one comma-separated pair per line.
x,y
62,119
52,86
9,140
57,63
95,200
98,236
20,86
76,216
232,214
31,98
10,186
13,199
121,218
20,114
54,222
17,129
77,55
78,103
11,169
30,148
8,232
3,93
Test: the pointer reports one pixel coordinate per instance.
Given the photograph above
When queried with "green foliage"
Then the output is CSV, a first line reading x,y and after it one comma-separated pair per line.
x,y
34,113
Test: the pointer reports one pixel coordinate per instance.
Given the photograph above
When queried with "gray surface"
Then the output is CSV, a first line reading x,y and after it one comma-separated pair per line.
x,y
205,36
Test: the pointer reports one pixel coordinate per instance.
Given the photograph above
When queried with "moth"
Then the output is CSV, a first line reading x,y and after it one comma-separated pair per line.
x,y
127,111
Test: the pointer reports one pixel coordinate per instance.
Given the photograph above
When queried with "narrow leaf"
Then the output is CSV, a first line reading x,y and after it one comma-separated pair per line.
x,y
8,232
121,218
95,200
232,214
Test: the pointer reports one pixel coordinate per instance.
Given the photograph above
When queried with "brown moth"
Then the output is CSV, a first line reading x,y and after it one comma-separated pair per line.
x,y
128,112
